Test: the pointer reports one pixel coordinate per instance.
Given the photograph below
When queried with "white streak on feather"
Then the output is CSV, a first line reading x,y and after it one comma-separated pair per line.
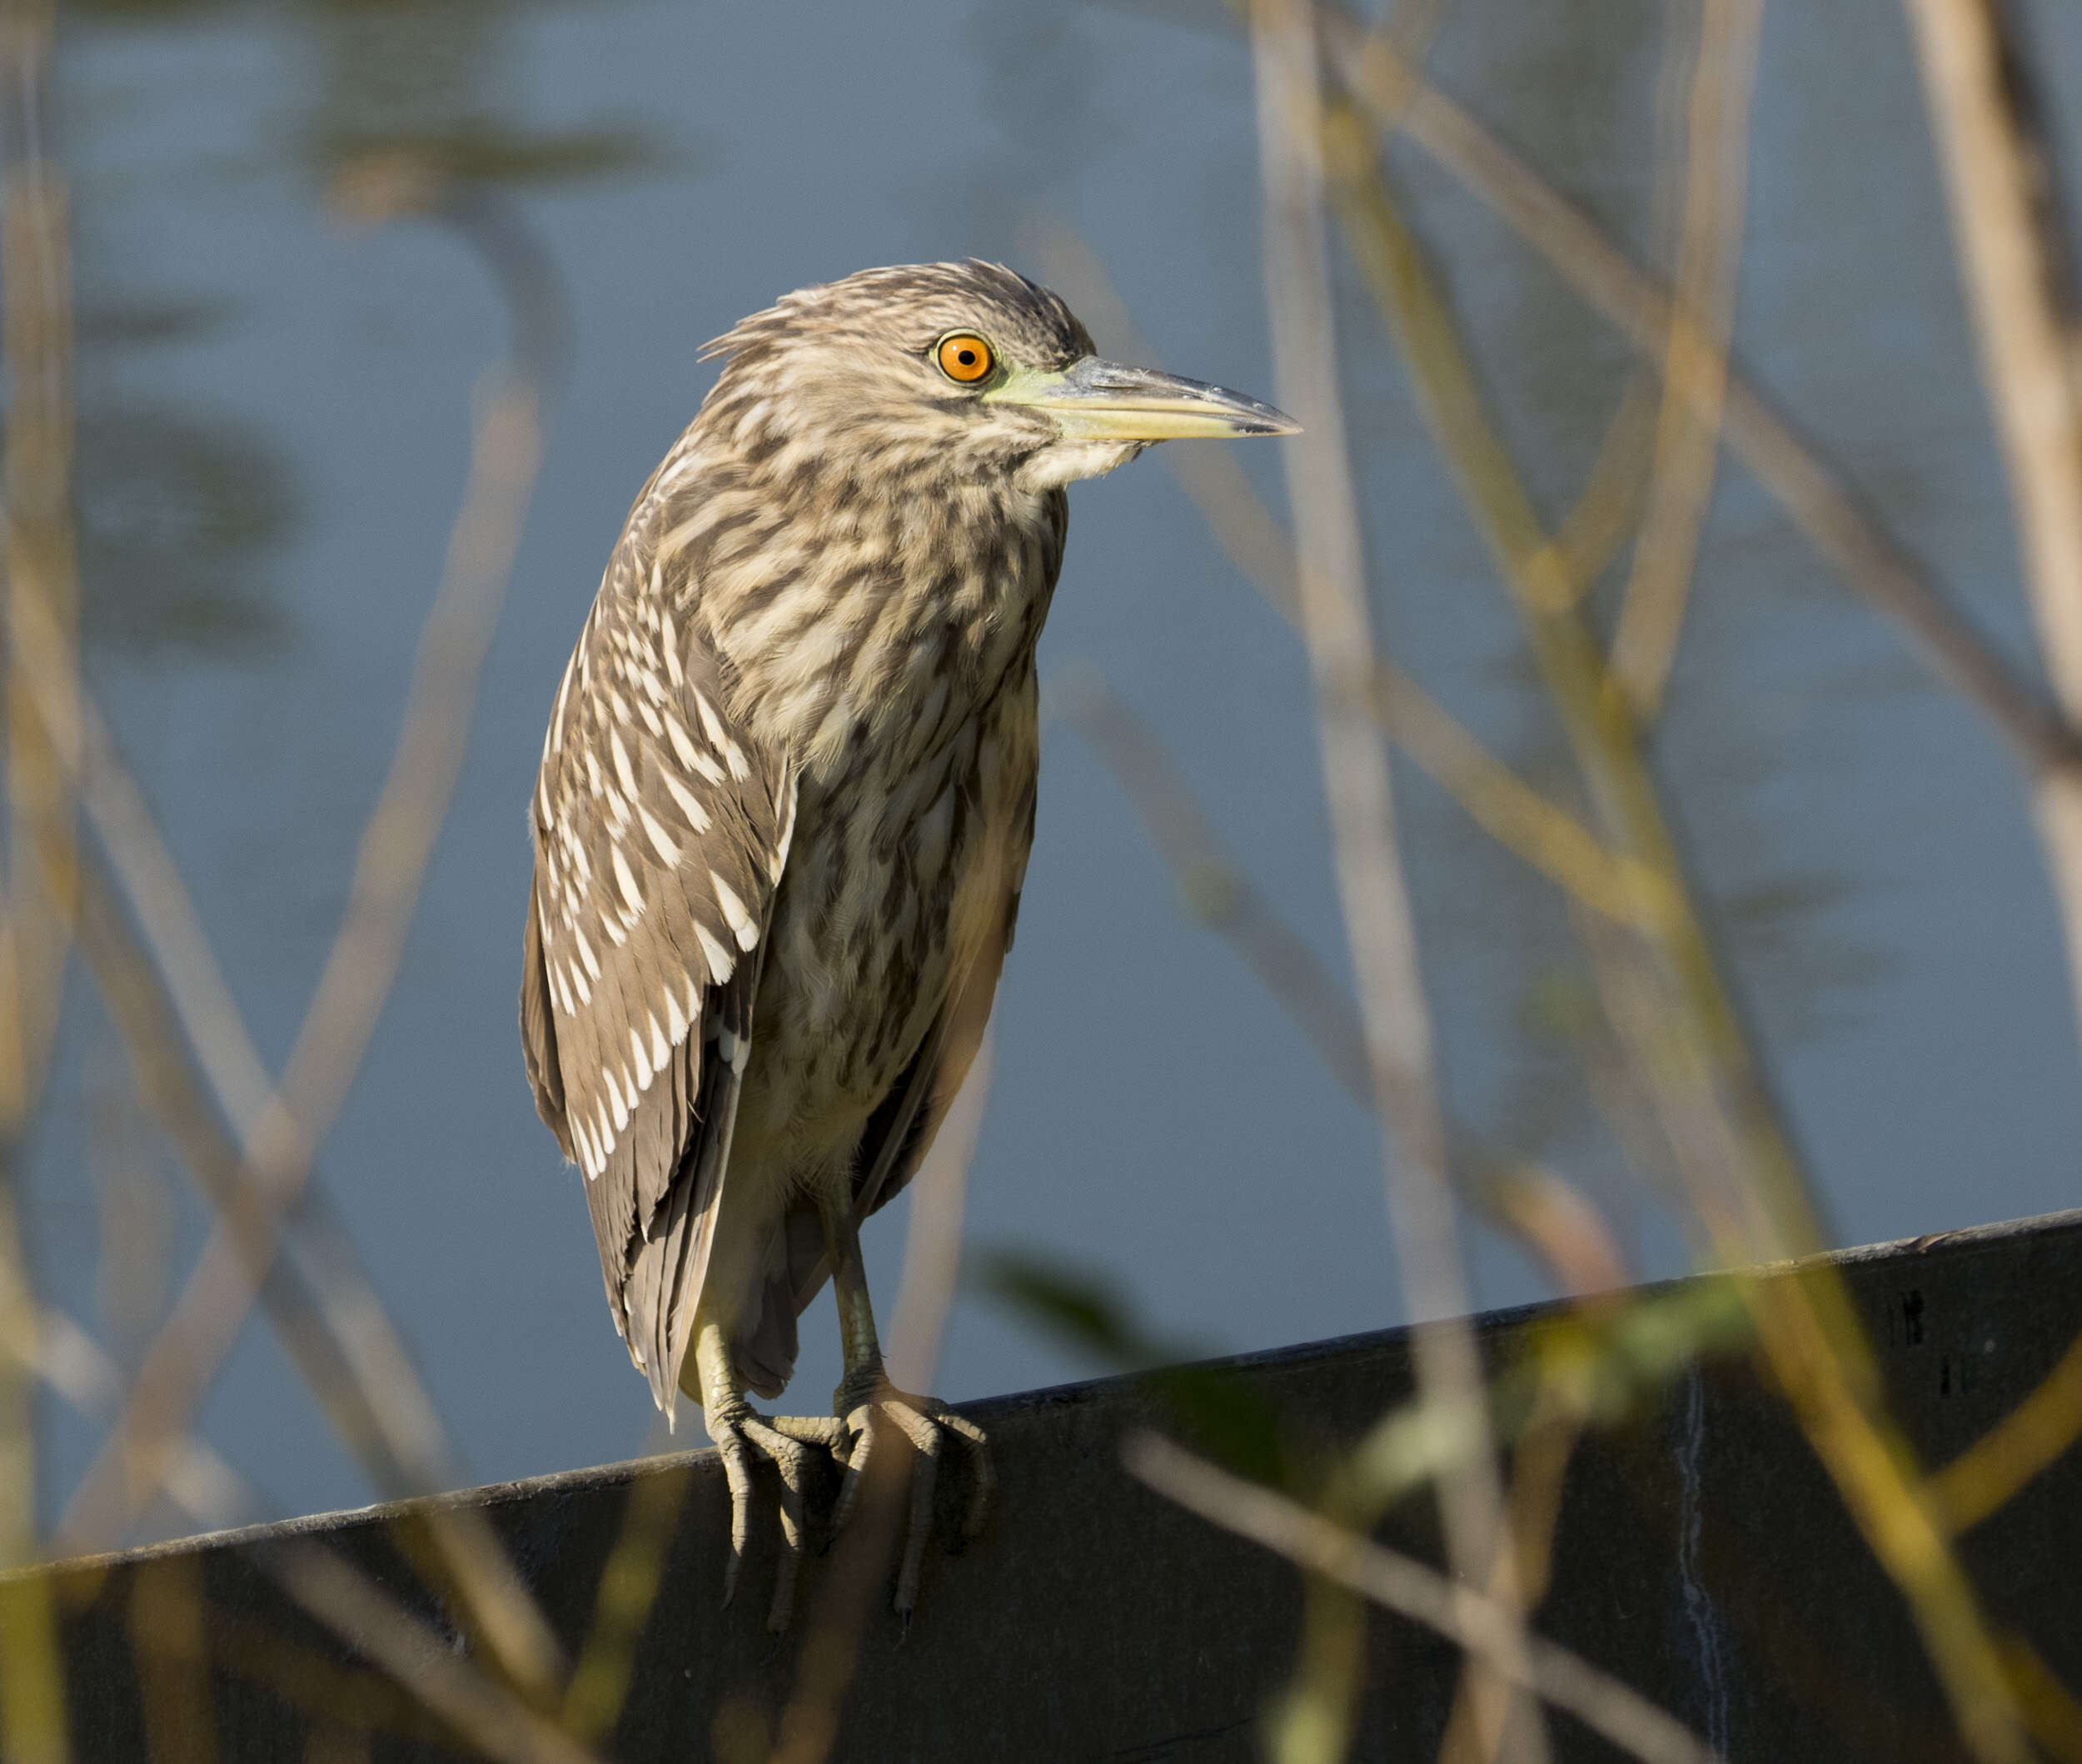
x,y
660,840
690,805
711,723
788,797
626,880
690,756
622,768
720,960
741,926
660,1047
670,645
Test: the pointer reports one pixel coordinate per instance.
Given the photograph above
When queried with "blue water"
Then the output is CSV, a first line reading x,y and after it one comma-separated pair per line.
x,y
1860,835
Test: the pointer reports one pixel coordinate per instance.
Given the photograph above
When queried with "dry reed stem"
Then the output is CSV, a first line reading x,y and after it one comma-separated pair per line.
x,y
2015,264
1247,532
33,1719
1694,365
1607,508
1484,1627
1540,832
354,1607
1337,629
77,1370
1807,1327
1641,310
2045,744
933,1238
630,1580
1556,1226
1213,887
170,1646
281,1128
145,1018
36,336
1539,1470
1985,1476
1547,838
214,1496
808,1727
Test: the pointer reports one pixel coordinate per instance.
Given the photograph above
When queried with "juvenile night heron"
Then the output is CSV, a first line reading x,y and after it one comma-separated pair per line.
x,y
786,800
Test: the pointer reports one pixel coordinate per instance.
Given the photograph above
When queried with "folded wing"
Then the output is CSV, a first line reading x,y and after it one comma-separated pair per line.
x,y
660,834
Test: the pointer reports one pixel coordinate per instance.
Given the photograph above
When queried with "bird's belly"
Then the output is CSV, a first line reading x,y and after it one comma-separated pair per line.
x,y
893,886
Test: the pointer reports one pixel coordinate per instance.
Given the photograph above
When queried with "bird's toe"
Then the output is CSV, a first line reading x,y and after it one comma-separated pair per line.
x,y
925,1423
780,1441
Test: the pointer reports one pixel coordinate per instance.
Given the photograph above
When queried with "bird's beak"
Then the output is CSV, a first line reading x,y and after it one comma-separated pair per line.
x,y
1106,401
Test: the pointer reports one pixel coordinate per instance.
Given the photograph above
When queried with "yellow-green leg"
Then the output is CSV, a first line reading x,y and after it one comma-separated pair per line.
x,y
864,1403
866,1398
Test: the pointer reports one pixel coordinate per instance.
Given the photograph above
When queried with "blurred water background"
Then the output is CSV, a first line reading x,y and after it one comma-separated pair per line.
x,y
274,419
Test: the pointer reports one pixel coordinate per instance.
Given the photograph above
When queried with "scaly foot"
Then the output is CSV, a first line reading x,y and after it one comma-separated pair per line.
x,y
869,1402
787,1442
739,1434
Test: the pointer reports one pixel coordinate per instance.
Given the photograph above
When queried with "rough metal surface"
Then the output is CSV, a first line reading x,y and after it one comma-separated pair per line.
x,y
1702,1554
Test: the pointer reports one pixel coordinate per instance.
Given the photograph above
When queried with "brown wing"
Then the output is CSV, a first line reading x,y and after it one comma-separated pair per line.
x,y
660,833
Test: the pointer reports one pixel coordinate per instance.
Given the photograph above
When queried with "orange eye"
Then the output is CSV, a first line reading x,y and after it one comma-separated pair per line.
x,y
965,356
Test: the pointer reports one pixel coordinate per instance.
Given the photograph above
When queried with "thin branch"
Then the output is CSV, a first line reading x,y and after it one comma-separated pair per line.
x,y
932,1240
1548,839
1552,1219
1545,835
39,546
35,292
341,1596
360,1412
1694,368
1213,887
1336,630
1484,1627
1747,1182
2014,260
281,1129
2029,1439
808,1728
627,1592
1640,307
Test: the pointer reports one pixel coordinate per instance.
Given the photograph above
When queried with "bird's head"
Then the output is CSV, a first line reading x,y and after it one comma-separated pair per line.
x,y
965,369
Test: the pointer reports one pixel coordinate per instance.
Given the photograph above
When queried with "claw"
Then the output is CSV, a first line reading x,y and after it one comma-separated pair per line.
x,y
787,1441
737,1438
925,1422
